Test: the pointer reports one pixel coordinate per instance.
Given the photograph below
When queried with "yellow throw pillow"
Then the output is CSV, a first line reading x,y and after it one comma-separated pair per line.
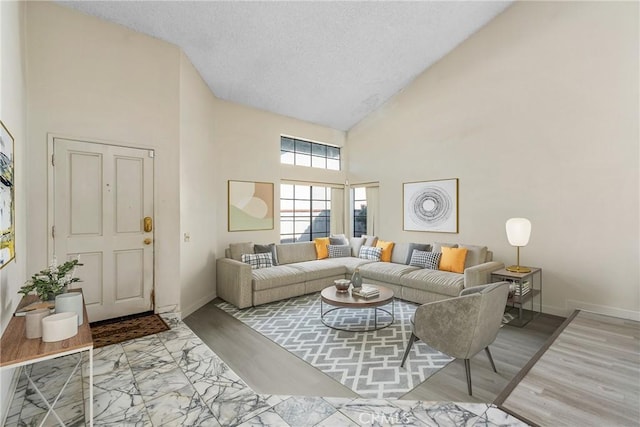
x,y
453,259
322,249
387,248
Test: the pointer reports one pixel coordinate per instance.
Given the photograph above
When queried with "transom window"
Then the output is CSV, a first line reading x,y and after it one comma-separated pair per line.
x,y
312,154
305,212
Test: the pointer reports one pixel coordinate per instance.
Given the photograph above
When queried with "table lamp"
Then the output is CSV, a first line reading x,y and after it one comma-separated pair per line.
x,y
518,232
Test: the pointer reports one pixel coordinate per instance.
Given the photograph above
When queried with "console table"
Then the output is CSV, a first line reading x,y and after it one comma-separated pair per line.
x,y
19,351
519,300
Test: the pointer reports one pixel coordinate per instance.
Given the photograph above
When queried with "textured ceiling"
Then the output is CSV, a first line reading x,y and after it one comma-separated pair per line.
x,y
330,63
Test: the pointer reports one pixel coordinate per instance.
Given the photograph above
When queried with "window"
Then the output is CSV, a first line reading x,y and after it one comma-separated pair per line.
x,y
312,154
305,212
359,211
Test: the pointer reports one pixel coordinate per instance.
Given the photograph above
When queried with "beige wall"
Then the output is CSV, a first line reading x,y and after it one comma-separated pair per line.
x,y
13,115
198,217
248,149
93,80
537,115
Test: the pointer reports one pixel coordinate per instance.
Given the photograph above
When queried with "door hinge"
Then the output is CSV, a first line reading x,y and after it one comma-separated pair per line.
x,y
53,232
53,160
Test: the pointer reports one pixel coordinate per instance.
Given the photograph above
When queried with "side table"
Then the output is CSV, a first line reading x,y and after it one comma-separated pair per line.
x,y
523,281
18,351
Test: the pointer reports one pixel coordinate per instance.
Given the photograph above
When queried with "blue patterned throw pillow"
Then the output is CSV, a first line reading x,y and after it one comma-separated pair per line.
x,y
256,261
424,259
370,252
339,251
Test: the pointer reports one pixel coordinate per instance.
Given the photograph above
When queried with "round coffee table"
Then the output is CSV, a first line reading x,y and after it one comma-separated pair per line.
x,y
339,300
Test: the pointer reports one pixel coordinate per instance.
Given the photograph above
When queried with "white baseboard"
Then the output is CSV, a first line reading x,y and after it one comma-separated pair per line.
x,y
604,309
557,311
196,305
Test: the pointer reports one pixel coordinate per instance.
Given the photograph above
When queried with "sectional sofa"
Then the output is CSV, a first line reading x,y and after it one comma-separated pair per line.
x,y
299,271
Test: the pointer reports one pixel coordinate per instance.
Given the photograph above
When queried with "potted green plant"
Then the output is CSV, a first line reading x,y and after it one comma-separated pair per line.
x,y
51,281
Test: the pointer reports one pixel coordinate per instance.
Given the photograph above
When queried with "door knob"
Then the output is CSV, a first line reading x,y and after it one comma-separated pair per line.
x,y
147,241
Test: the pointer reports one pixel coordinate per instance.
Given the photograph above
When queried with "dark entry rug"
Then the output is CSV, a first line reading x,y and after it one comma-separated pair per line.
x,y
114,331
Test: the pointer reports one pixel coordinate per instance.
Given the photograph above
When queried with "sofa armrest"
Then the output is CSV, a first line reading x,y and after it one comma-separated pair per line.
x,y
480,274
234,282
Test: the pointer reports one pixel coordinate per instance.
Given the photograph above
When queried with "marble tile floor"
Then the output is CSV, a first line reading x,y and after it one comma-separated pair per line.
x,y
174,379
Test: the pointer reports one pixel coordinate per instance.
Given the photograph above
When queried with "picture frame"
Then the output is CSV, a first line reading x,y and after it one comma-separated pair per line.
x,y
7,197
250,206
430,206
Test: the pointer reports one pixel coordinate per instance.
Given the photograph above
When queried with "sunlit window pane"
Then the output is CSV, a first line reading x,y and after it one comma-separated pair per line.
x,y
301,218
303,159
318,162
319,193
333,165
287,157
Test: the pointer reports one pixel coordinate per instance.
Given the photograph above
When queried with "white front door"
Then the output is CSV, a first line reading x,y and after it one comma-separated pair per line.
x,y
102,195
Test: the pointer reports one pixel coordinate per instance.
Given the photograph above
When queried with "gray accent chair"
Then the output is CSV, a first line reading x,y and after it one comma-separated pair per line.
x,y
462,326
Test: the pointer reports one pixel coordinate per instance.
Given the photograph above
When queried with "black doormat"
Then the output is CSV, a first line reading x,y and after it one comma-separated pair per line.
x,y
114,331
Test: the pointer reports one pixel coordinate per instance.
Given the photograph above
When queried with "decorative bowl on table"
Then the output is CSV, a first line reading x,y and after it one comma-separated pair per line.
x,y
342,285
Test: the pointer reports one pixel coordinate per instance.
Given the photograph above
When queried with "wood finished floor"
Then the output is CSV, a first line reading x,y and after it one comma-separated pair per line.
x,y
589,376
270,369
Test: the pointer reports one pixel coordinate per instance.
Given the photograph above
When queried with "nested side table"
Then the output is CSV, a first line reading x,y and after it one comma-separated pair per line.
x,y
519,299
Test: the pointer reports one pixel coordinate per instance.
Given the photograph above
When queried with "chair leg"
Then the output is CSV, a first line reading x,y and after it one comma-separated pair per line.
x,y
467,368
406,352
491,359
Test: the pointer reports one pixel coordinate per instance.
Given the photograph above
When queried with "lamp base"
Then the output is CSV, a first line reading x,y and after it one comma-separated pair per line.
x,y
518,269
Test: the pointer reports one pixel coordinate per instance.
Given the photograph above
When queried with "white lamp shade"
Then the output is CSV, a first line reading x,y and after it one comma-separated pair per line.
x,y
518,231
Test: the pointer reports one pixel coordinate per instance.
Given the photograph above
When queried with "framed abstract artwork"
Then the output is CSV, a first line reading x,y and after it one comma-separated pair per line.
x,y
250,206
431,206
7,198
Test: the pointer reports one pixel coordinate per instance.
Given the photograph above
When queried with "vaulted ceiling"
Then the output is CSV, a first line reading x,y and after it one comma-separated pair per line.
x,y
330,63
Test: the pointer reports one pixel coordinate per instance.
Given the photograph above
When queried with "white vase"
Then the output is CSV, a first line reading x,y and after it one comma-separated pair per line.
x,y
70,302
33,322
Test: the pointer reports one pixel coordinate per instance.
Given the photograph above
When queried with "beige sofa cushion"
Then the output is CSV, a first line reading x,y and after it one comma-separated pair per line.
x,y
441,282
317,269
476,255
349,262
289,253
273,277
238,249
385,271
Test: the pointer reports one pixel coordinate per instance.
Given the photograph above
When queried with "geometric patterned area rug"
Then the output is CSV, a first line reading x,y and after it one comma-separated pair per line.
x,y
366,362
126,328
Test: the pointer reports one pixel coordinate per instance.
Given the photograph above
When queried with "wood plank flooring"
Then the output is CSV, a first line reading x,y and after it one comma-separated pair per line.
x,y
589,376
270,369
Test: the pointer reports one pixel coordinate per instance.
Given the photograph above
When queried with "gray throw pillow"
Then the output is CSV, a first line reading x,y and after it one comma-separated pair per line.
x,y
370,240
339,251
338,239
424,259
267,249
370,252
425,247
257,261
239,249
437,246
